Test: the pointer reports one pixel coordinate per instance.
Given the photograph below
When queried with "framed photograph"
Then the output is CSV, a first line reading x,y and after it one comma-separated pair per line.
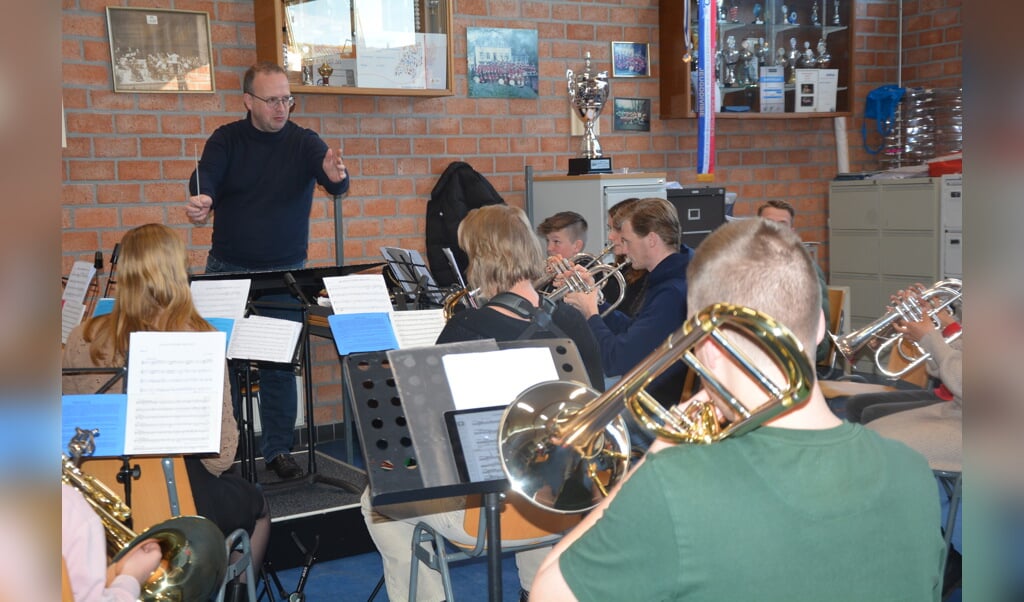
x,y
632,114
502,63
160,50
631,59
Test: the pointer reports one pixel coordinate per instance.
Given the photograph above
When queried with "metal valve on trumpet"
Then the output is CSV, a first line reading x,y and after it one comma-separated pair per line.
x,y
600,271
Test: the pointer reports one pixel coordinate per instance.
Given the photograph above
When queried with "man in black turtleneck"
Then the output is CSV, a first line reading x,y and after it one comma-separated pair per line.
x,y
257,177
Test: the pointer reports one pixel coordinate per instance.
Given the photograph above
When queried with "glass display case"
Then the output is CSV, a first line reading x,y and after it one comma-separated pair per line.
x,y
380,47
812,39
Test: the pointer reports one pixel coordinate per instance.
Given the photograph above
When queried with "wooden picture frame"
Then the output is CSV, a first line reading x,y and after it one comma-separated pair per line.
x,y
160,50
631,114
631,59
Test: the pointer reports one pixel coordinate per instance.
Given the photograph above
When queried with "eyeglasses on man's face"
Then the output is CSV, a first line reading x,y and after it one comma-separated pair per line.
x,y
276,101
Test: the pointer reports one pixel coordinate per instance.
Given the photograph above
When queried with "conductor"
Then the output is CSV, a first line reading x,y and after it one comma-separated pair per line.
x,y
257,177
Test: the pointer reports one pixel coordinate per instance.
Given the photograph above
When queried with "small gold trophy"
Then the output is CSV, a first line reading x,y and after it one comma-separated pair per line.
x,y
325,72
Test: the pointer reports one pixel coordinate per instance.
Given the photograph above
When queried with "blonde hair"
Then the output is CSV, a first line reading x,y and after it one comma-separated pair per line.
x,y
761,265
152,294
502,249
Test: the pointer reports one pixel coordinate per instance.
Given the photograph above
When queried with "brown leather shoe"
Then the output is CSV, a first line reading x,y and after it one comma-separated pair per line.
x,y
285,467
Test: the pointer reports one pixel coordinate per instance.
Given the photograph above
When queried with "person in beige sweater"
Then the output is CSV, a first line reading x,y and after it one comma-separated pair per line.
x,y
153,295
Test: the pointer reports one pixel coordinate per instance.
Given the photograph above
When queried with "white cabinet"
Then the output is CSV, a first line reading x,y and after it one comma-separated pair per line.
x,y
887,234
591,196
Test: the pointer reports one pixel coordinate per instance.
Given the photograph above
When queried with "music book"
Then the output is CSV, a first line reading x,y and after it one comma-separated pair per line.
x,y
104,305
260,338
358,294
173,403
71,313
82,273
417,328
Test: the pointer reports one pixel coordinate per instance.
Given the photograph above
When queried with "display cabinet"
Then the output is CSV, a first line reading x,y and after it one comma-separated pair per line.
x,y
379,47
750,34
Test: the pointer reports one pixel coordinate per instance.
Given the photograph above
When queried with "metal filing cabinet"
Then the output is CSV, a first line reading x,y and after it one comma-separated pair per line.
x,y
887,234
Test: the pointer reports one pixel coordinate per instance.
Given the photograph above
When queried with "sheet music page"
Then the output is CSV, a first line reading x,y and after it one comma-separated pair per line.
x,y
478,435
70,316
221,298
454,265
495,378
105,412
357,333
417,328
175,392
265,339
82,273
358,294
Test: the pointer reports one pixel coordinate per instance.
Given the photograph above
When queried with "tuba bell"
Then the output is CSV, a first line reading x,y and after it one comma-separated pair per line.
x,y
881,335
194,559
563,446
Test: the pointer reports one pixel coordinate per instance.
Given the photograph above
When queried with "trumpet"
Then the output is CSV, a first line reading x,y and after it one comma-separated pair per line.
x,y
880,333
194,562
563,446
575,283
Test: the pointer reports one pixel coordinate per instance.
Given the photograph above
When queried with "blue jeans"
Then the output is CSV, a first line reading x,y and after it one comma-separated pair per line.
x,y
278,395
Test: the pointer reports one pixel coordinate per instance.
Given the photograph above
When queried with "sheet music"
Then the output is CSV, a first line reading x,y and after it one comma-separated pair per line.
x,y
70,316
175,392
105,412
265,339
409,267
495,378
417,328
478,436
454,265
221,298
358,294
82,273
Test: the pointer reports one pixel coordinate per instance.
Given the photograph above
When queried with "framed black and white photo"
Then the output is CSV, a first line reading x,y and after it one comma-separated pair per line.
x,y
160,50
631,59
632,114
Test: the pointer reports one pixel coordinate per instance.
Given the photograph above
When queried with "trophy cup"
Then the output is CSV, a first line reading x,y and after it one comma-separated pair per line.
x,y
587,94
325,72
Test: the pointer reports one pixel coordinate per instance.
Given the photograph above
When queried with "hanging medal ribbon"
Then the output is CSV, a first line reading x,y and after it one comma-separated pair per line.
x,y
706,97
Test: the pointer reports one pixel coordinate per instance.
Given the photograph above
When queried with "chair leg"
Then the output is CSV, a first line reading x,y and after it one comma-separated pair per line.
x,y
434,558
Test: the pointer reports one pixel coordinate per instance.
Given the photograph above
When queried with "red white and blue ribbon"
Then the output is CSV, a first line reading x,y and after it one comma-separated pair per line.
x,y
706,98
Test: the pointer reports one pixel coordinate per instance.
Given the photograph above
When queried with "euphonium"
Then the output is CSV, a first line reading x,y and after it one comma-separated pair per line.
x,y
563,446
194,559
940,296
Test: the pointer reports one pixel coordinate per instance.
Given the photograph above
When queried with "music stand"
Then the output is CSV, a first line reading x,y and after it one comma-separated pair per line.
x,y
388,422
413,276
304,283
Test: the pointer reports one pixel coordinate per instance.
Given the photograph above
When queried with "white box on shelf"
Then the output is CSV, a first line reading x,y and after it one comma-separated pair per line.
x,y
773,90
828,85
806,91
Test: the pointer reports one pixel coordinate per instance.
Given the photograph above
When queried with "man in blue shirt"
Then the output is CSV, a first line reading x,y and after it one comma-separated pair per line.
x,y
257,177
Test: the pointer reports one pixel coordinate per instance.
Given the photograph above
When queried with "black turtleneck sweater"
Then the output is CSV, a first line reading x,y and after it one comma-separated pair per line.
x,y
262,189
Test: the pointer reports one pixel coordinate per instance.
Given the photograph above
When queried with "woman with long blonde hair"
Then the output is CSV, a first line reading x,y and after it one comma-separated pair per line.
x,y
153,294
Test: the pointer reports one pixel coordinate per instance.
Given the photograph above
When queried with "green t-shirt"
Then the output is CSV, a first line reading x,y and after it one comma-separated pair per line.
x,y
776,514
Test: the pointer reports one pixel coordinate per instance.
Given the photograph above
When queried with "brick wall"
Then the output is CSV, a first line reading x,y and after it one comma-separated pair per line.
x,y
128,155
932,44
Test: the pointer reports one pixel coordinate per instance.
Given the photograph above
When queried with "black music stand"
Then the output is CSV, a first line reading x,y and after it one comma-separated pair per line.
x,y
388,422
413,278
303,284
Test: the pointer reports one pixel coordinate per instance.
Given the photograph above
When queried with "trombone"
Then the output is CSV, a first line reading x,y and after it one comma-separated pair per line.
x,y
563,446
940,297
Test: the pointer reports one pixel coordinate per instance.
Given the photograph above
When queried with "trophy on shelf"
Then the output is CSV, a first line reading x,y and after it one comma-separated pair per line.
x,y
814,14
758,14
325,72
588,93
835,13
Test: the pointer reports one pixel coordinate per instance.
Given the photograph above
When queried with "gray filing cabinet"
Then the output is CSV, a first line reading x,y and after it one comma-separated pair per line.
x,y
591,196
887,234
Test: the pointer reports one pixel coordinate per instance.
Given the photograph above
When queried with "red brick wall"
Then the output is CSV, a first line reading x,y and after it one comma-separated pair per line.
x,y
932,44
128,155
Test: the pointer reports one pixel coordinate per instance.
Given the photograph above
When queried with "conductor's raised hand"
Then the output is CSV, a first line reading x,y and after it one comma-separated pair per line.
x,y
198,208
334,166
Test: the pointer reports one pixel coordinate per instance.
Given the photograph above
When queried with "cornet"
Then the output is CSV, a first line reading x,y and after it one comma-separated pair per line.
x,y
563,446
940,297
575,283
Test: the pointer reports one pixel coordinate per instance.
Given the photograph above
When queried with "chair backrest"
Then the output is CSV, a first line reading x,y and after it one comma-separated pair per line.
x,y
834,324
150,498
520,520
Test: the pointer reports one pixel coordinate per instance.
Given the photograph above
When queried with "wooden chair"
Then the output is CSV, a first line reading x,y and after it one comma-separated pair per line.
x,y
834,324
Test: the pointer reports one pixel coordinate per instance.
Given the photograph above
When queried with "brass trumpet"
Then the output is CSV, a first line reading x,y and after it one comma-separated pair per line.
x,y
940,296
194,560
563,446
575,283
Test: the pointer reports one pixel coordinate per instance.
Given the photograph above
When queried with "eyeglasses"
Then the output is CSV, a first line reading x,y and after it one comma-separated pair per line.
x,y
277,101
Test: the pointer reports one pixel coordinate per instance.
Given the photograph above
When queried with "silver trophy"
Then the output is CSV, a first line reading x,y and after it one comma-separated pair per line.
x,y
588,93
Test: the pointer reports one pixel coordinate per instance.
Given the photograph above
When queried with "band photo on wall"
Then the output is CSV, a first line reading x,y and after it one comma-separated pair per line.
x,y
633,114
158,50
501,63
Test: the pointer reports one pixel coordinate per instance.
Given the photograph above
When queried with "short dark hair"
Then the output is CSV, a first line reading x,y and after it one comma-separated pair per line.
x,y
264,67
777,204
619,211
565,220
